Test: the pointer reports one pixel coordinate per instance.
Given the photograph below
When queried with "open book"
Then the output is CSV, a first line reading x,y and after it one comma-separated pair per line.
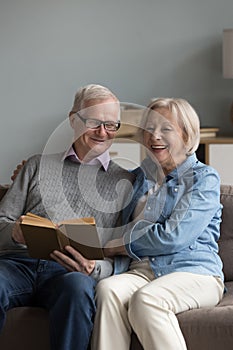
x,y
42,236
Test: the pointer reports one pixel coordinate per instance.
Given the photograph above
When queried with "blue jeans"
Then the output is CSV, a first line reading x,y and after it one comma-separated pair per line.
x,y
68,296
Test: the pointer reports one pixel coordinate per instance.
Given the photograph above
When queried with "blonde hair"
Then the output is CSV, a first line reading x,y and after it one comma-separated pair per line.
x,y
186,117
91,92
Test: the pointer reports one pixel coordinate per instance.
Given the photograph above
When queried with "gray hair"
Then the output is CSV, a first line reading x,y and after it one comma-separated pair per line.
x,y
91,92
186,117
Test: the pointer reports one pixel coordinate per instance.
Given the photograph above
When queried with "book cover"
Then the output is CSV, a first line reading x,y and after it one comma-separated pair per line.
x,y
42,236
206,132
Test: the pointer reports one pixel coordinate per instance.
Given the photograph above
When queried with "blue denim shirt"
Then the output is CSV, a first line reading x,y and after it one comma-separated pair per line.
x,y
181,224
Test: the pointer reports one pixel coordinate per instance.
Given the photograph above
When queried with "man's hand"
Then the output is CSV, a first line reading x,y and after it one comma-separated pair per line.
x,y
16,171
115,247
76,263
17,234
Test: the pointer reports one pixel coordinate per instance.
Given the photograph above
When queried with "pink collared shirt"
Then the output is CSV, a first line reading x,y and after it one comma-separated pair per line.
x,y
104,158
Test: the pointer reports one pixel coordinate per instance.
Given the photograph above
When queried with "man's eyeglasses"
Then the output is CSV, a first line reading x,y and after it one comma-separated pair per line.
x,y
92,123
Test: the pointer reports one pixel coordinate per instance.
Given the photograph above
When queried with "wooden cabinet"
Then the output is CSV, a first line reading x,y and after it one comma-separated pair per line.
x,y
126,153
214,151
218,152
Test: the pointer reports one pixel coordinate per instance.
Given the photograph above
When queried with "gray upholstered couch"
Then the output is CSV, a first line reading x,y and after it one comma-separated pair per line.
x,y
26,328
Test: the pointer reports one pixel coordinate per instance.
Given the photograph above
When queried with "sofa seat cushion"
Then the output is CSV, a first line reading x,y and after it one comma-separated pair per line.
x,y
207,328
210,328
26,328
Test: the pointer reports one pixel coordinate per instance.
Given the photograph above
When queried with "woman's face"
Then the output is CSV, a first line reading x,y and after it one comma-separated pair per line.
x,y
163,138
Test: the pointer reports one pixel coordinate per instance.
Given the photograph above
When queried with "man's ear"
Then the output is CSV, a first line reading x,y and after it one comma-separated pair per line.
x,y
72,119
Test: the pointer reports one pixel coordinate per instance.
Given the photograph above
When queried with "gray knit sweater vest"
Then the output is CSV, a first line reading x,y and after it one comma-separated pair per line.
x,y
57,189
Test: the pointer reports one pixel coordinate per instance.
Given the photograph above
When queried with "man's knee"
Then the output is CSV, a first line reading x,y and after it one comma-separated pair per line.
x,y
74,286
78,284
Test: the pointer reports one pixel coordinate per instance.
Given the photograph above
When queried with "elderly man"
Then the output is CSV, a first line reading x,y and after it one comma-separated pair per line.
x,y
83,181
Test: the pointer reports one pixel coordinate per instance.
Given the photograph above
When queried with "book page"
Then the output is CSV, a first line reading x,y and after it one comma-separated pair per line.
x,y
35,220
77,221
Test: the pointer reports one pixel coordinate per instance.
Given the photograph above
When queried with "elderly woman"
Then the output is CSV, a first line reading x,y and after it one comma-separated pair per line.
x,y
167,261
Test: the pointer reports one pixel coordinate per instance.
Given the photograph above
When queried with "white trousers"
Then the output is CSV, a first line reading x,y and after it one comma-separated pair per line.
x,y
136,300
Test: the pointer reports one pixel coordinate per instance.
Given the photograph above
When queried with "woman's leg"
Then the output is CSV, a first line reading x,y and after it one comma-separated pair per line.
x,y
152,309
112,329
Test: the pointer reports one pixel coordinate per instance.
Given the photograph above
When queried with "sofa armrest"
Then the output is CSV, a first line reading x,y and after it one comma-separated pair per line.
x,y
3,190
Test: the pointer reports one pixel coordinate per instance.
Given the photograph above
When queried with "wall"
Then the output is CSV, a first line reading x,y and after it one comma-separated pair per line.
x,y
139,48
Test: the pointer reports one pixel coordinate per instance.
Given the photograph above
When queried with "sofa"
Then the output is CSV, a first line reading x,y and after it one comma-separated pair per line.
x,y
27,328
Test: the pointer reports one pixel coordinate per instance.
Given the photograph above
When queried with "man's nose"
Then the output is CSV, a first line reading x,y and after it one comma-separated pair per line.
x,y
101,130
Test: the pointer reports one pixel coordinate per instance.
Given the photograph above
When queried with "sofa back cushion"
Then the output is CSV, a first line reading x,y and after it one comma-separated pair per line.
x,y
226,237
3,190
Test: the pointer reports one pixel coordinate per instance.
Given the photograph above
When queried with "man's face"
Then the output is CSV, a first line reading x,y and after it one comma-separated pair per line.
x,y
91,142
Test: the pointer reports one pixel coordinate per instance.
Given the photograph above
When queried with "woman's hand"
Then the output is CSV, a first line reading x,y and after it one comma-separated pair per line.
x,y
115,247
76,262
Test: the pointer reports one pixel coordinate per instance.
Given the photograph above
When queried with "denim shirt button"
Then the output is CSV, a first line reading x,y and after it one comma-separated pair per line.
x,y
159,274
152,259
148,208
176,189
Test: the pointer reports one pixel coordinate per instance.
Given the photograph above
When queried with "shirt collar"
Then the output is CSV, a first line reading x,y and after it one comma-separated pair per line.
x,y
102,159
150,168
183,167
